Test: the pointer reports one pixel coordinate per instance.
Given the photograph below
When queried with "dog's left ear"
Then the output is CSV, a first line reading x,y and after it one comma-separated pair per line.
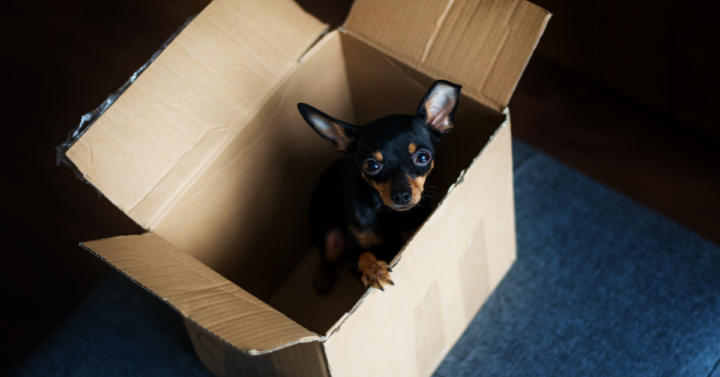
x,y
343,135
438,107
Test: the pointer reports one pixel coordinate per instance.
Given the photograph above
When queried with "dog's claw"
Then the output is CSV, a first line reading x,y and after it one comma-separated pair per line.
x,y
375,273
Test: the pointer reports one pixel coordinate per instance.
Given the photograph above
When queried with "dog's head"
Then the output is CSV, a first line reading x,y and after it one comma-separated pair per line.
x,y
394,153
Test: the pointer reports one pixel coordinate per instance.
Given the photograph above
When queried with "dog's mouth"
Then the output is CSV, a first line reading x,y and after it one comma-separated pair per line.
x,y
416,198
398,207
405,207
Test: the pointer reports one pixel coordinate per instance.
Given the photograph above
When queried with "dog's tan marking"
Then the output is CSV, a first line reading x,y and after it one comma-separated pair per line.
x,y
378,156
417,185
412,148
367,239
343,141
375,273
383,189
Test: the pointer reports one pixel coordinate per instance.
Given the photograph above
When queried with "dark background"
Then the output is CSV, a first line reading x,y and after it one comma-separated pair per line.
x,y
622,90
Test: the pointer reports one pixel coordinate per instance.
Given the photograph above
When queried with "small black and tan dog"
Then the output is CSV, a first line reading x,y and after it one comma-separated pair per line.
x,y
369,203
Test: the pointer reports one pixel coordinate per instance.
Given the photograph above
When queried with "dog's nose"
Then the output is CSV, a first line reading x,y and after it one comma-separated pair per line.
x,y
401,197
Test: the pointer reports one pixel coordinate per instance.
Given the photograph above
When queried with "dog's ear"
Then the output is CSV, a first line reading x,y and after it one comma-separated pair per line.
x,y
438,107
342,135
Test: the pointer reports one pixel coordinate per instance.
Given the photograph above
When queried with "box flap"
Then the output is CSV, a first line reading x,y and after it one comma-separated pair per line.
x,y
200,294
205,85
483,45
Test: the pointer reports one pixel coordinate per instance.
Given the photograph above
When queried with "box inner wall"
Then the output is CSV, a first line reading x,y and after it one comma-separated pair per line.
x,y
246,214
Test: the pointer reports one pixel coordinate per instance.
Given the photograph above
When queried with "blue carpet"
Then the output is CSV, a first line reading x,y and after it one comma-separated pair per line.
x,y
601,287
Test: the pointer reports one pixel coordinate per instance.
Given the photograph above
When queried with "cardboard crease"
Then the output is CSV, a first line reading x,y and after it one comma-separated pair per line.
x,y
205,135
439,24
163,212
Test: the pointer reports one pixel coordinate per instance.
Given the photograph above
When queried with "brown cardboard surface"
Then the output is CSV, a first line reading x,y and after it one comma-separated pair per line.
x,y
428,276
483,45
207,83
199,293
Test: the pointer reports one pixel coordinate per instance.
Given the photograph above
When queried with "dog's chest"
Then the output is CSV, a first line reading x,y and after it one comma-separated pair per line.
x,y
387,227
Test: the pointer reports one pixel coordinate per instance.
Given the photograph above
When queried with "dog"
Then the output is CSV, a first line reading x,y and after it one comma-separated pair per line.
x,y
369,203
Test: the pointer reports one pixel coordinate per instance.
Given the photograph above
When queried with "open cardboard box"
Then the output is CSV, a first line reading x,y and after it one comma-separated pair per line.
x,y
206,150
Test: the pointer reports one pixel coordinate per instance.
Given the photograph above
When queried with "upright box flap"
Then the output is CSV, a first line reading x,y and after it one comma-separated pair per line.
x,y
482,44
203,87
200,294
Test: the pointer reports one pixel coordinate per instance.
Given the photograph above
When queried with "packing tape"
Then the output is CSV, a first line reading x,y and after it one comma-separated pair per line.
x,y
474,273
429,330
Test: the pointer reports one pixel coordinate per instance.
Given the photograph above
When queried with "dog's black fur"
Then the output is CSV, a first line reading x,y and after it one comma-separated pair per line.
x,y
369,203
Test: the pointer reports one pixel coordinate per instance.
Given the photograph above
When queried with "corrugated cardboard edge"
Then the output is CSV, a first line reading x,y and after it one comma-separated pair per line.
x,y
336,327
248,352
461,178
87,120
532,53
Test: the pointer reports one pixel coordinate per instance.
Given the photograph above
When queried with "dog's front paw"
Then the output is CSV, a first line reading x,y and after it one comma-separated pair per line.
x,y
375,273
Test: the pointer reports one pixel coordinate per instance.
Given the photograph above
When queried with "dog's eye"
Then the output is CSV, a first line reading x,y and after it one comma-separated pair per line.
x,y
422,157
371,166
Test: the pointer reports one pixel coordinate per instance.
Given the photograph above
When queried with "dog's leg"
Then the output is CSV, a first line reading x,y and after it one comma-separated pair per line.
x,y
335,246
375,273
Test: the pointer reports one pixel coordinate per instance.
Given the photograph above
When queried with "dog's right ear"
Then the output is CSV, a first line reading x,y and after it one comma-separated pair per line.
x,y
438,107
342,135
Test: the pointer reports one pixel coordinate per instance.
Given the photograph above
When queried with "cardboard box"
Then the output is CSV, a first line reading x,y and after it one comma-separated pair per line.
x,y
206,151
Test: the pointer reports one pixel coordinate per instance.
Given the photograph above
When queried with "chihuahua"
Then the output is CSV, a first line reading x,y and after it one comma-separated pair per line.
x,y
368,204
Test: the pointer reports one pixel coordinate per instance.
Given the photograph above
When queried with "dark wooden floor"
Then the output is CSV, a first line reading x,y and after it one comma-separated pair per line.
x,y
662,164
62,59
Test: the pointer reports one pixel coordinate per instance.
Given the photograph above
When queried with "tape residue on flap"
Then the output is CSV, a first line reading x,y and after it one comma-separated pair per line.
x,y
87,120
